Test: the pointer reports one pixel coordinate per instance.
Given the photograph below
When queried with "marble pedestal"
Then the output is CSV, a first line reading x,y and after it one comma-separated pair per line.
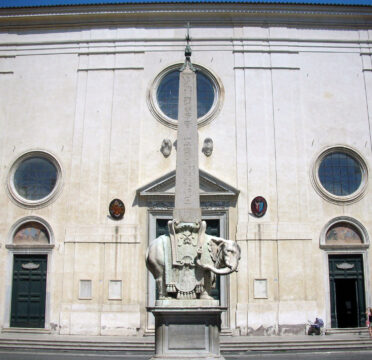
x,y
187,329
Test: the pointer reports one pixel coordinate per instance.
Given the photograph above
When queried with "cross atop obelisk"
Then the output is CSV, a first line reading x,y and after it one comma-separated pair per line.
x,y
187,203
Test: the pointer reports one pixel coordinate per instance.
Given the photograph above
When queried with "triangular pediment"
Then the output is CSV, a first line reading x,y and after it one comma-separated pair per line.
x,y
210,187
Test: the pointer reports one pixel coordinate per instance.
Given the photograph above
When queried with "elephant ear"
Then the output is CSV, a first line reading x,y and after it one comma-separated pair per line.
x,y
217,240
215,245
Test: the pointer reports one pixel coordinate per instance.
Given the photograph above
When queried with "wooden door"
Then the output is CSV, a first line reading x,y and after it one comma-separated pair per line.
x,y
28,291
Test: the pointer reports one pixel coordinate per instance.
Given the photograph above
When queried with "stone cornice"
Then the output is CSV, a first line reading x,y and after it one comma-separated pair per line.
x,y
232,14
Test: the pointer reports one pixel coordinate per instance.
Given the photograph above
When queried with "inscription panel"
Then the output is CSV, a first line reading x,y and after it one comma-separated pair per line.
x,y
186,336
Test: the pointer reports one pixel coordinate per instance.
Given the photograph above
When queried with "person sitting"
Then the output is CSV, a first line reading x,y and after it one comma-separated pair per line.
x,y
315,328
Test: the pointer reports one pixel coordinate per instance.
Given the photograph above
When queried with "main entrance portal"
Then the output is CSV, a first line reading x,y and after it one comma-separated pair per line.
x,y
28,291
346,277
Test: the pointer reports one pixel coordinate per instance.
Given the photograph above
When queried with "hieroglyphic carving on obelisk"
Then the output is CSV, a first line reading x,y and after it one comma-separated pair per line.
x,y
187,202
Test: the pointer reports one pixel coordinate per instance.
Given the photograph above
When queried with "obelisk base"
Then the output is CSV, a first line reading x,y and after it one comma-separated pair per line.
x,y
187,332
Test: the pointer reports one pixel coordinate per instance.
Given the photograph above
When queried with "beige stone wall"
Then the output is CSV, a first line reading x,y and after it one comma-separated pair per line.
x,y
82,96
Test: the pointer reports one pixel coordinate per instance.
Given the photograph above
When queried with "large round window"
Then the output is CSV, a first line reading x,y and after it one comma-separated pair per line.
x,y
34,178
167,94
340,174
163,95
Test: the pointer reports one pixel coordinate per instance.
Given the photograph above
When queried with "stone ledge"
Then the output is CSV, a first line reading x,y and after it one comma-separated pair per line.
x,y
173,303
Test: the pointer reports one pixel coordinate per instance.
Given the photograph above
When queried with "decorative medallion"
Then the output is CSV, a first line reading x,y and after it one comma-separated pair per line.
x,y
259,206
30,266
166,147
345,266
207,147
117,209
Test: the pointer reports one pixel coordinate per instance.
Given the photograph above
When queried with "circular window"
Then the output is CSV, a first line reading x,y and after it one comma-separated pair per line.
x,y
34,178
167,94
163,95
340,175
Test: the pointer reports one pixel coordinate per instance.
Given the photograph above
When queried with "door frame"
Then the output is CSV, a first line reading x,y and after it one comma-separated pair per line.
x,y
9,284
46,249
222,216
43,264
367,295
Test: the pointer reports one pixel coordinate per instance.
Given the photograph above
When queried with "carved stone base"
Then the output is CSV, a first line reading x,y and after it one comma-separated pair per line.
x,y
187,332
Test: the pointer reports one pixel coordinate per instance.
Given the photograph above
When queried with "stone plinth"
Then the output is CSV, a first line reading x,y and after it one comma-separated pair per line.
x,y
187,330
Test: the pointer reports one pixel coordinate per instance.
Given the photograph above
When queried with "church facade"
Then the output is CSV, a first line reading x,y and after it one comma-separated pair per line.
x,y
88,129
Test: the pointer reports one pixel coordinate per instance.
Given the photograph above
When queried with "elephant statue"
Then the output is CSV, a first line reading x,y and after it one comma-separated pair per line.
x,y
184,264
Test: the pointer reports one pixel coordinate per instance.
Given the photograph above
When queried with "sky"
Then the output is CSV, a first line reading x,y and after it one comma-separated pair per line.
x,y
20,3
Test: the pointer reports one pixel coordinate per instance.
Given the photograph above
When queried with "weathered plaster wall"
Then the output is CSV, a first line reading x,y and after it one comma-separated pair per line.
x,y
81,95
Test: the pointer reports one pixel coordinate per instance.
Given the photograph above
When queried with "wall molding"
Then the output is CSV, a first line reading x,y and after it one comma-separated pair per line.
x,y
111,68
266,68
77,16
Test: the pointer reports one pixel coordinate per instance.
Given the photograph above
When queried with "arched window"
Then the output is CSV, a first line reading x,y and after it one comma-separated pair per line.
x,y
31,233
344,232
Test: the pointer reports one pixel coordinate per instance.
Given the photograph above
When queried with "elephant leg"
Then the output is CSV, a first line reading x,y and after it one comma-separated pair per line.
x,y
207,288
160,286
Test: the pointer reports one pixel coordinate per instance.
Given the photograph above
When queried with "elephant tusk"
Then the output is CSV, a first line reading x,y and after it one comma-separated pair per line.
x,y
222,271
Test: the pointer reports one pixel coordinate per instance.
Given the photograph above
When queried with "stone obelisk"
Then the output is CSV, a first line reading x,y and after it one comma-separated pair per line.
x,y
187,202
187,318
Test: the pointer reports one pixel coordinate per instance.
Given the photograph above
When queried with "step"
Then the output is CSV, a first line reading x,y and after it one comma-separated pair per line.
x,y
67,347
298,342
79,349
137,346
294,349
225,349
347,331
64,344
119,345
77,342
265,341
26,330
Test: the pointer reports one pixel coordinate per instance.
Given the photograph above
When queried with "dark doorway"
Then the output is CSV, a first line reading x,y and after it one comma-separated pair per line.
x,y
346,302
213,228
347,291
28,291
